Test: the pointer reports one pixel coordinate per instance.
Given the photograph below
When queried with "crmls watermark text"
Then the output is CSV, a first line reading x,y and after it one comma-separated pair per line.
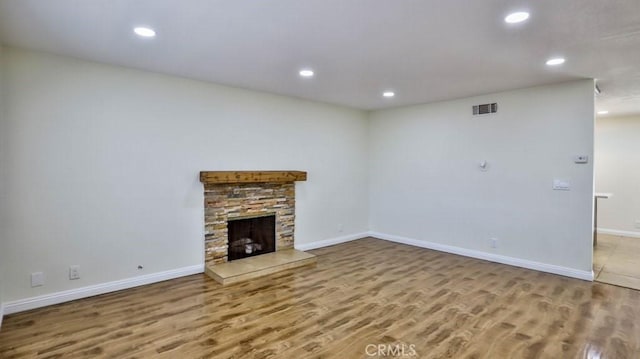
x,y
393,350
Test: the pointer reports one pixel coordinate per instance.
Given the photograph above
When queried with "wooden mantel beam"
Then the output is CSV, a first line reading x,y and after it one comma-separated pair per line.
x,y
219,177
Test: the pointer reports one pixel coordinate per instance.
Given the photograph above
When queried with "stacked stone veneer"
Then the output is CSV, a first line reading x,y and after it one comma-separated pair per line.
x,y
224,202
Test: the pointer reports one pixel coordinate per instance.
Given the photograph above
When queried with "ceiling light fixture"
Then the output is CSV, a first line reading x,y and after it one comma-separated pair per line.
x,y
306,73
555,62
144,32
516,17
603,112
388,94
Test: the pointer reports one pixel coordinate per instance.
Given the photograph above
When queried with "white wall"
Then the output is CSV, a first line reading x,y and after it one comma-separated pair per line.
x,y
617,159
425,184
103,167
2,181
102,170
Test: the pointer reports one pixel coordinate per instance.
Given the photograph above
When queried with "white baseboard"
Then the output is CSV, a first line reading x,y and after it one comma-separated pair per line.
x,y
84,292
542,267
616,232
330,241
89,291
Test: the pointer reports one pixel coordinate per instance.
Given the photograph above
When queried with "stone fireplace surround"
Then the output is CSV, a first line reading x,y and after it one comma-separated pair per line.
x,y
246,194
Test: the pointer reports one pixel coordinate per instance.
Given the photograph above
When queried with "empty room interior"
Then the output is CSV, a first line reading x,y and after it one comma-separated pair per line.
x,y
319,179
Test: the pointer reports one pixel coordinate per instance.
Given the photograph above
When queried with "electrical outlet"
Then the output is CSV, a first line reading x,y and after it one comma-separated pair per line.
x,y
340,227
74,272
37,279
581,159
637,223
494,242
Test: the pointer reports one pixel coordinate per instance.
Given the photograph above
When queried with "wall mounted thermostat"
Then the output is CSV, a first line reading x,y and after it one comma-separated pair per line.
x,y
581,159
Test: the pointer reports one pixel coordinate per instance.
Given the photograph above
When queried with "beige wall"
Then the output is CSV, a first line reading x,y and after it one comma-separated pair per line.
x,y
617,168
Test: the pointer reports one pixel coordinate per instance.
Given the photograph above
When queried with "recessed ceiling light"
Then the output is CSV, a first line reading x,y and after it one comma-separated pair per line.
x,y
603,112
144,32
516,17
306,73
388,94
555,62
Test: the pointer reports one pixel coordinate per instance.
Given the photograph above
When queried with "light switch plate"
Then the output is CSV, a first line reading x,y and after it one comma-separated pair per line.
x,y
37,279
561,185
74,272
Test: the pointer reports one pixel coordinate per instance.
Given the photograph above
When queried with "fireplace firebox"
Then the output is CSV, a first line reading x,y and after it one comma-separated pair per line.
x,y
251,236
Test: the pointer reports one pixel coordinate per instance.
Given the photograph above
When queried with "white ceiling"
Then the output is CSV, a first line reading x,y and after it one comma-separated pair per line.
x,y
425,50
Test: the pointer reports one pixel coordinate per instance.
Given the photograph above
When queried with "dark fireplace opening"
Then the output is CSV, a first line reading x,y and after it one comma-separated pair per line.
x,y
250,237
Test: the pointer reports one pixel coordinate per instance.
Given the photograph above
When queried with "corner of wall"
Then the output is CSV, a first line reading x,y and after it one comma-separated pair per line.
x,y
423,164
2,117
369,145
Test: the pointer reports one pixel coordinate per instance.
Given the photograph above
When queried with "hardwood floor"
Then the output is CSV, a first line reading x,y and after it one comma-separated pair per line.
x,y
360,293
616,260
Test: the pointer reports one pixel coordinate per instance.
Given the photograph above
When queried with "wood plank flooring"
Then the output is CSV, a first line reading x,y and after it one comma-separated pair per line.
x,y
360,293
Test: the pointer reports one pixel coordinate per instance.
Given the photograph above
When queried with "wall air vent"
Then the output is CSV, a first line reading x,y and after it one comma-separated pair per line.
x,y
485,109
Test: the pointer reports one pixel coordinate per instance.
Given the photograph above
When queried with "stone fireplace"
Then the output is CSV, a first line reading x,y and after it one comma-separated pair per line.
x,y
242,209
